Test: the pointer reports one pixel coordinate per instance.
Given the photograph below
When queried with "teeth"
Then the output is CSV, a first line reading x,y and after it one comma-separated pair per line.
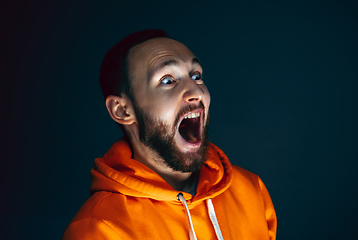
x,y
192,115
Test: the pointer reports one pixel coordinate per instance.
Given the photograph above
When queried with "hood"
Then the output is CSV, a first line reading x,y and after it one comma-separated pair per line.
x,y
117,172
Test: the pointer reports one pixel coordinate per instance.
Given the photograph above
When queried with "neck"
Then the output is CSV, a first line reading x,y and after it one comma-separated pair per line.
x,y
179,181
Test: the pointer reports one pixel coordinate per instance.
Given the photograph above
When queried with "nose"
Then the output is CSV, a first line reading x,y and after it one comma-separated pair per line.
x,y
192,92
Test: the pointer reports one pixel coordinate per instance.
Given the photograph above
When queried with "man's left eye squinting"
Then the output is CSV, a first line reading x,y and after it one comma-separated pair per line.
x,y
196,76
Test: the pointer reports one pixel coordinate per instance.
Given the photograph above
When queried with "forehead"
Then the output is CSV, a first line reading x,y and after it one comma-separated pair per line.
x,y
145,56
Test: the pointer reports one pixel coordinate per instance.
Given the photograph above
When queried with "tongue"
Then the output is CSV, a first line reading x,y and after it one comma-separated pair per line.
x,y
187,132
190,137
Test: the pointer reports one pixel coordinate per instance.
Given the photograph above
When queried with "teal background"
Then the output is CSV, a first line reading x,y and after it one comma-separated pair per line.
x,y
283,80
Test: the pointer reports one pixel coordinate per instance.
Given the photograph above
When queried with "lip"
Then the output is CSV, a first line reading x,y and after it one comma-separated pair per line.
x,y
187,146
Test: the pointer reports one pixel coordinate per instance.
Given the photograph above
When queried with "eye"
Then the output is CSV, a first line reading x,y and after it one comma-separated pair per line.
x,y
196,76
167,80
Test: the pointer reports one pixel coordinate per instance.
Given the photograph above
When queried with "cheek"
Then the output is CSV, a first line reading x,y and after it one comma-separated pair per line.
x,y
162,107
206,98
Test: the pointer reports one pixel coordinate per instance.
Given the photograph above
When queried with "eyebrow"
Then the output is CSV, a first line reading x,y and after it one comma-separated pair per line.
x,y
195,61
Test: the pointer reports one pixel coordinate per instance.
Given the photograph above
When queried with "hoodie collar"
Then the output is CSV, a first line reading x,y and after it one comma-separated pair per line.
x,y
117,172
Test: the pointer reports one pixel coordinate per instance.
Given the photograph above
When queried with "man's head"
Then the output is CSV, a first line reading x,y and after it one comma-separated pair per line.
x,y
113,76
168,107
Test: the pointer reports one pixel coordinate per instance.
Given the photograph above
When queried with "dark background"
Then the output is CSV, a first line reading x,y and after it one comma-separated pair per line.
x,y
283,78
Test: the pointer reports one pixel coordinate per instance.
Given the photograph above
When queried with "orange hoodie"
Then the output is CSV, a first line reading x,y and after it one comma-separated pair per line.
x,y
130,201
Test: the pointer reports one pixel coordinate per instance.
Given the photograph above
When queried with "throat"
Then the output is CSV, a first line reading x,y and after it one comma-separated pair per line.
x,y
179,181
189,129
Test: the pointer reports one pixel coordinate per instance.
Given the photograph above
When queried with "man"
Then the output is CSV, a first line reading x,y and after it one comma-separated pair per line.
x,y
164,180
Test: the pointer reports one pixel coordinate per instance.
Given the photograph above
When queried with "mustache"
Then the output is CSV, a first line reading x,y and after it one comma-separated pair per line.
x,y
186,110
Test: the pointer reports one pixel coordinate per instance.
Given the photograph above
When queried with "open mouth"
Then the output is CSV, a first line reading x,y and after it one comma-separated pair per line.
x,y
189,128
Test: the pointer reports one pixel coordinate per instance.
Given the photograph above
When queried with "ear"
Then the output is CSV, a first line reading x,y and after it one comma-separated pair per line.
x,y
121,109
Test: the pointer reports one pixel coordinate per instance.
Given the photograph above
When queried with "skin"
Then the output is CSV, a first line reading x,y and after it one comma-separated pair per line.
x,y
163,91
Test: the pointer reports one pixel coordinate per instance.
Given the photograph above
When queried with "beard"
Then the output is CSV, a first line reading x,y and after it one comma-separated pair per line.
x,y
159,136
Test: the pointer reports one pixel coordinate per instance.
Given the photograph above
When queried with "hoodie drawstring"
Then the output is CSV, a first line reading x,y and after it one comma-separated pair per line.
x,y
212,216
213,219
192,234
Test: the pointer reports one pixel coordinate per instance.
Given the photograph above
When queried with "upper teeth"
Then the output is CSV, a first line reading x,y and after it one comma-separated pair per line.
x,y
192,115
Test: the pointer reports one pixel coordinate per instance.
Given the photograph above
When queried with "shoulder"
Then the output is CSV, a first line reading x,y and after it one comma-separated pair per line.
x,y
90,228
248,196
248,183
244,176
91,222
